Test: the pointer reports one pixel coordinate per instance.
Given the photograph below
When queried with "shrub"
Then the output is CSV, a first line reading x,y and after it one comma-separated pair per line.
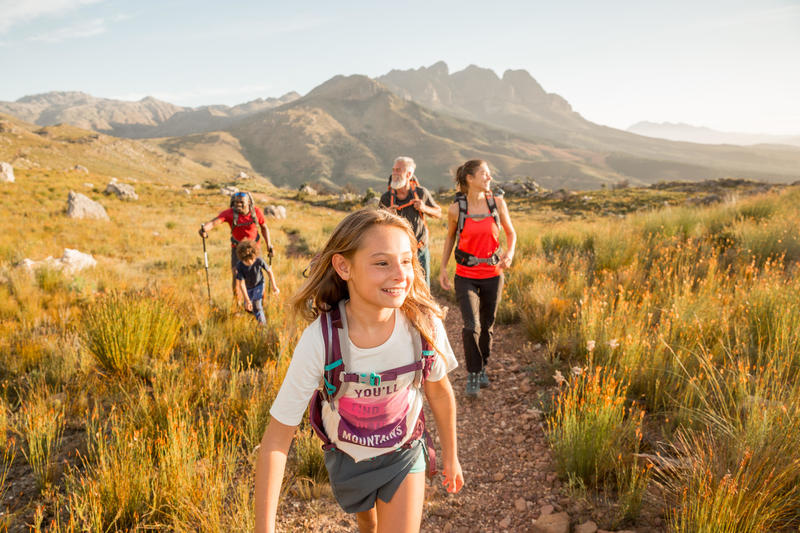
x,y
123,329
589,428
50,279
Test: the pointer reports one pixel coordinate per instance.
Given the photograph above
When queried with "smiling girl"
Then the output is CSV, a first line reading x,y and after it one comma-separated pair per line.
x,y
368,282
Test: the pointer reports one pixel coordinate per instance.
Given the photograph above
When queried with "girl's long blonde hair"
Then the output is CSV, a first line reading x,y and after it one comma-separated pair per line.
x,y
324,288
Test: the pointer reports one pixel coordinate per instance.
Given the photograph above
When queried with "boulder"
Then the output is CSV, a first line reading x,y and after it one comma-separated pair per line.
x,y
229,190
80,206
243,176
559,195
551,523
122,190
6,173
520,187
307,189
275,211
347,197
587,527
187,192
75,261
196,187
80,168
71,262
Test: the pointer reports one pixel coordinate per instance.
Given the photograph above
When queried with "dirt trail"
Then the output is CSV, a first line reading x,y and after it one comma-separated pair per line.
x,y
507,466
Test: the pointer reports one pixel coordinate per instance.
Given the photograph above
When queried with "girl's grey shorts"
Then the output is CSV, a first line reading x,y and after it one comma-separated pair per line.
x,y
357,486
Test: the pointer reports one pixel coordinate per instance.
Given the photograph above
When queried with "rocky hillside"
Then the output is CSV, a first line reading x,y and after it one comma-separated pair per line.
x,y
64,147
518,103
148,117
350,129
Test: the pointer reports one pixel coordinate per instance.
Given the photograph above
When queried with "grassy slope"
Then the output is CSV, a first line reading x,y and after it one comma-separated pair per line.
x,y
570,267
56,148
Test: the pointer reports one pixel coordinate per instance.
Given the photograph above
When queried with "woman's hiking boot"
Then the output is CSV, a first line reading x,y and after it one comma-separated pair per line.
x,y
473,384
483,379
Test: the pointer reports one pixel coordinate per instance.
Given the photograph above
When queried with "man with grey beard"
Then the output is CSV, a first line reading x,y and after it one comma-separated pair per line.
x,y
407,198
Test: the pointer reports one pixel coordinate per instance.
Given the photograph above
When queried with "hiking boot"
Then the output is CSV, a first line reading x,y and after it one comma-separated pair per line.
x,y
473,385
483,379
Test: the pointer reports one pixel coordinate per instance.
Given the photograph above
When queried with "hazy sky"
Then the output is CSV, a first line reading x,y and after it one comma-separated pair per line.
x,y
730,65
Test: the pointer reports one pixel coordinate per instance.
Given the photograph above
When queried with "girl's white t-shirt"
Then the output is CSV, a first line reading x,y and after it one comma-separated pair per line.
x,y
394,404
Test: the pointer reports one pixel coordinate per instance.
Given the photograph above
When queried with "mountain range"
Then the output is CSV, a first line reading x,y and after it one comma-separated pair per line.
x,y
698,134
350,128
148,117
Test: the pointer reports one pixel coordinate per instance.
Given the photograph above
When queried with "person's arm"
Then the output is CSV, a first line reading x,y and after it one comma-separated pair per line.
x,y
443,405
265,233
270,467
511,235
208,226
449,242
427,206
272,283
241,288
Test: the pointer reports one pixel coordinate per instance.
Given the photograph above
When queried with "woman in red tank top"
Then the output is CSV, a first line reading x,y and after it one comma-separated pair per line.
x,y
474,221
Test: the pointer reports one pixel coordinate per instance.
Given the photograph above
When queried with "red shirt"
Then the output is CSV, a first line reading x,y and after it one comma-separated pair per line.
x,y
241,232
481,239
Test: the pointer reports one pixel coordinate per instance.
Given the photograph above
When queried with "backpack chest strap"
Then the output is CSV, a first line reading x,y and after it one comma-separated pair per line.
x,y
376,378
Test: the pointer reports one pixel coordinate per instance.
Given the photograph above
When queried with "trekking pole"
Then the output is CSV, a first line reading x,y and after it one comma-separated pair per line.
x,y
269,255
205,260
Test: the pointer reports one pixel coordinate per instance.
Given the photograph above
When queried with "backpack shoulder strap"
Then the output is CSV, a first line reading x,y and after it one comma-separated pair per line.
x,y
426,354
492,203
461,199
330,322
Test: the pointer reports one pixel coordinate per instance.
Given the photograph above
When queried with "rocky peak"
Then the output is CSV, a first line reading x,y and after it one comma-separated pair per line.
x,y
355,87
438,69
476,74
525,86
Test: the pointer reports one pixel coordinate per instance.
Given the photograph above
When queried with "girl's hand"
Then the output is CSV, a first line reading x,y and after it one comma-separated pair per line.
x,y
453,477
248,305
444,280
275,290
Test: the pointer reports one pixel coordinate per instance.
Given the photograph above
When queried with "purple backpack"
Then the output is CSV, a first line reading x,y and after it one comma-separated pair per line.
x,y
335,375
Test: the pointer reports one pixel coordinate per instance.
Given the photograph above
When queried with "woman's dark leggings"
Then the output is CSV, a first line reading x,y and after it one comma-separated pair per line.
x,y
478,300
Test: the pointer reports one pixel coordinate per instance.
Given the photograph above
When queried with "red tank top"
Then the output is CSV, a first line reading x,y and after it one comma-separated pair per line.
x,y
481,239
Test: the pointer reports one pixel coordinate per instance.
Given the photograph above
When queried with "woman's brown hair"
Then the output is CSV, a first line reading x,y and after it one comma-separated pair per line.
x,y
324,288
467,169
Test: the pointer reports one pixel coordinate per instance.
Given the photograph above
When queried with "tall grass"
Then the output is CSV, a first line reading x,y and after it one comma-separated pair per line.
x,y
99,498
40,423
7,454
590,425
123,330
695,312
